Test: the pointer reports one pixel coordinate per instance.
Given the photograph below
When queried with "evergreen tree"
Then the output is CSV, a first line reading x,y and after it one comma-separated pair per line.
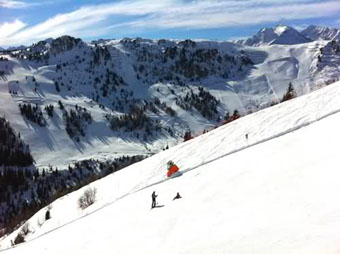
x,y
187,135
290,94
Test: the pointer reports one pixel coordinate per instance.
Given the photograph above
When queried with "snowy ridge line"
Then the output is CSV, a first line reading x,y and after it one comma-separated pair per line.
x,y
184,171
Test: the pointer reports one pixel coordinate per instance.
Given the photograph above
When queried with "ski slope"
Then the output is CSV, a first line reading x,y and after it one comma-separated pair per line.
x,y
275,192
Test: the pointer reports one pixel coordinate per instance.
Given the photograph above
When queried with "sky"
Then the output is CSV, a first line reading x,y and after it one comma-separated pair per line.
x,y
28,21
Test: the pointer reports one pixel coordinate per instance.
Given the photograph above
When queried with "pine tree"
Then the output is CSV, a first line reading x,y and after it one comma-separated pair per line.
x,y
187,135
290,94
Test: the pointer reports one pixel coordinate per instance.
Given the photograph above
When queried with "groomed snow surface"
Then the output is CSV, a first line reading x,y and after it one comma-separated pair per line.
x,y
276,192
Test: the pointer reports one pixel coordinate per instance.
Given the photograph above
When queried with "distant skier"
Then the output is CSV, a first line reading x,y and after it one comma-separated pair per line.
x,y
247,136
153,196
172,168
177,196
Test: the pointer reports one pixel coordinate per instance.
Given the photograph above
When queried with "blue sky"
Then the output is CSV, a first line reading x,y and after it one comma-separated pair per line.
x,y
28,21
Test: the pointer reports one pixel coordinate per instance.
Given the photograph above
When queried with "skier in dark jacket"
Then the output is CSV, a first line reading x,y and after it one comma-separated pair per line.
x,y
153,196
177,196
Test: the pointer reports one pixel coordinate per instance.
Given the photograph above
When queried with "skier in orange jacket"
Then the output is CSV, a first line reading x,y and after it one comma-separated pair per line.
x,y
172,168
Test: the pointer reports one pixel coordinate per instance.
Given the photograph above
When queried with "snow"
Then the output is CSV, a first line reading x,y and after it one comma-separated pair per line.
x,y
275,192
52,145
281,65
280,29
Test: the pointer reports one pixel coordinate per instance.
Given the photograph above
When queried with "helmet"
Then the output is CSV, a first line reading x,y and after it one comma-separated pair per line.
x,y
170,163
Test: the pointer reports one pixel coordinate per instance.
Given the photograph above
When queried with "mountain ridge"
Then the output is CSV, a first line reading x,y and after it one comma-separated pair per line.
x,y
321,33
281,34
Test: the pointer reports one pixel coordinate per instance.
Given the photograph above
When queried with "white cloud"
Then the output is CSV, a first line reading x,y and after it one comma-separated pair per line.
x,y
208,15
7,29
300,27
237,38
12,4
165,14
84,18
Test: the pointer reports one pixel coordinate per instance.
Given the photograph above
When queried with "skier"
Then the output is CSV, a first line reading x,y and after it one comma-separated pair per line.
x,y
177,196
247,136
172,168
153,196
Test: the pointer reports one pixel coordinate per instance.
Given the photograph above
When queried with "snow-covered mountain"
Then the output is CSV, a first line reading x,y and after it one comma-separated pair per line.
x,y
281,34
84,106
179,85
321,33
274,191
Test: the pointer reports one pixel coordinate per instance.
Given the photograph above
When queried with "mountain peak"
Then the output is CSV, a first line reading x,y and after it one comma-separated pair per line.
x,y
314,32
280,29
281,34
